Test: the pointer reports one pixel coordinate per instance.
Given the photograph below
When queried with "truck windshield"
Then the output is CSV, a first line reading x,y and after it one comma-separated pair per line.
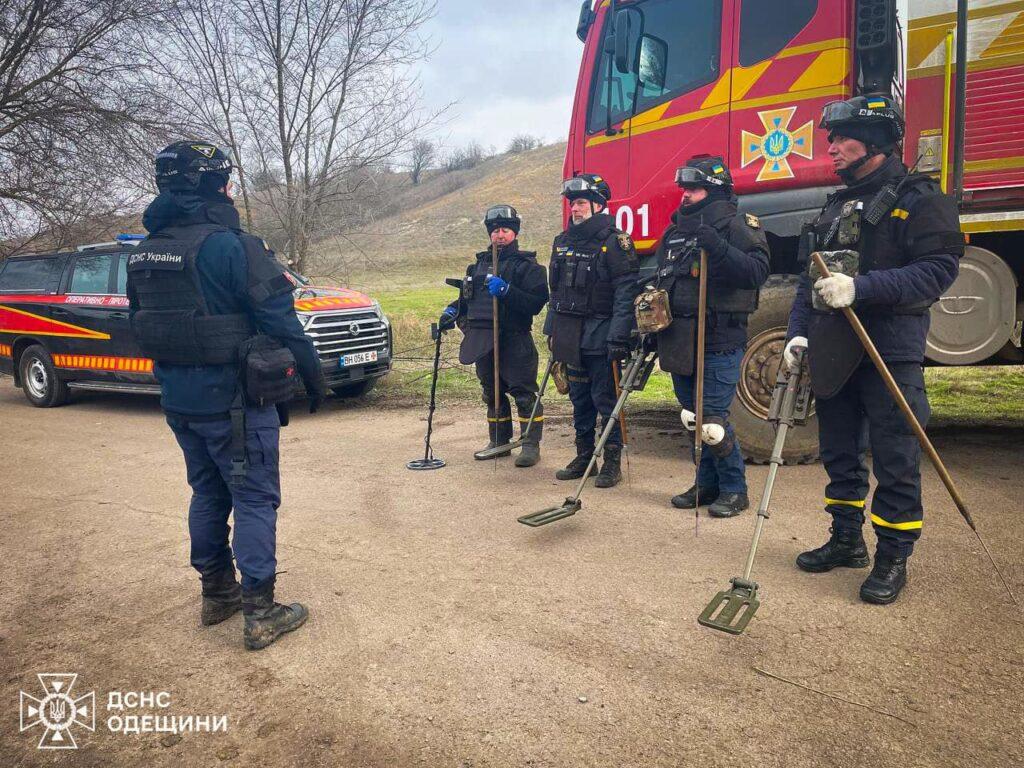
x,y
688,34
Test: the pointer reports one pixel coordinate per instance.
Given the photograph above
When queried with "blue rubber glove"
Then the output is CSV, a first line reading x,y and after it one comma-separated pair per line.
x,y
447,320
496,286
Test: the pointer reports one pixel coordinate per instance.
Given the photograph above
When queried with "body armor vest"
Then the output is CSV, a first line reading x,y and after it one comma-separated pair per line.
x,y
479,302
680,276
173,323
581,282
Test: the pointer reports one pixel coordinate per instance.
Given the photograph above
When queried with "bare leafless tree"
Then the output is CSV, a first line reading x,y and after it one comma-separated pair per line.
x,y
77,120
423,155
325,96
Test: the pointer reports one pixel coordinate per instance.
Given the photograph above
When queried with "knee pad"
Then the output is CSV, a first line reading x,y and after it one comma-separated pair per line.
x,y
689,419
717,437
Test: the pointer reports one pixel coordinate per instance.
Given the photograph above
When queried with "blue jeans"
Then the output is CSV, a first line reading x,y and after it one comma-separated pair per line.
x,y
721,375
207,449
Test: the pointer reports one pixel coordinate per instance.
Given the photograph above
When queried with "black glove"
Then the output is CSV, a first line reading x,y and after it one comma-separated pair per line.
x,y
618,350
447,320
709,239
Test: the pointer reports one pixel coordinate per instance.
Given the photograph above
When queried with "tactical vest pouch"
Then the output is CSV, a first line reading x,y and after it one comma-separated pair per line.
x,y
838,262
850,218
653,313
560,375
268,371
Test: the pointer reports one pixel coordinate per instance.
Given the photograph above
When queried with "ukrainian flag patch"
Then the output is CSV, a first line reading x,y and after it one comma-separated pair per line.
x,y
880,104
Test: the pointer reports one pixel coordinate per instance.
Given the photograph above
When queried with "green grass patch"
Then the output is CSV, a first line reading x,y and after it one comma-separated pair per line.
x,y
991,395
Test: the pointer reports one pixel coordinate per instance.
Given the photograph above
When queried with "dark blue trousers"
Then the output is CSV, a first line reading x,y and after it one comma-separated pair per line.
x,y
863,414
592,392
207,449
721,376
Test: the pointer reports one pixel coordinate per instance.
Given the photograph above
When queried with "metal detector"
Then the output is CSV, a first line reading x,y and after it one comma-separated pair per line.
x,y
429,461
731,610
490,453
634,379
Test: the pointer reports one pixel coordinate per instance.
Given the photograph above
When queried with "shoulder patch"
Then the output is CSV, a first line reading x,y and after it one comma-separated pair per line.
x,y
752,221
625,241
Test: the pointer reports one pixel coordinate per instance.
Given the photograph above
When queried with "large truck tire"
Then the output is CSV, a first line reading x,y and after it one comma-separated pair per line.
x,y
760,367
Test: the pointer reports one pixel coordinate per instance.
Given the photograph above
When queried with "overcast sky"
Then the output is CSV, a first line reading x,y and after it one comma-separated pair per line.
x,y
510,66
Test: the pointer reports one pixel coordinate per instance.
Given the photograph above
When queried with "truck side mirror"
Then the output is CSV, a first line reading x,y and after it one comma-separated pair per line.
x,y
653,61
623,23
585,20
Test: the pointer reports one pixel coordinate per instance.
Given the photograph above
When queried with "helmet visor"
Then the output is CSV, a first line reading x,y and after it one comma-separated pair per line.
x,y
693,177
577,186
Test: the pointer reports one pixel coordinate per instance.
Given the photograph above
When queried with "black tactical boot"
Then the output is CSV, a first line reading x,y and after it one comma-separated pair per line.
x,y
688,498
729,505
530,454
576,467
886,580
266,620
611,470
222,596
845,548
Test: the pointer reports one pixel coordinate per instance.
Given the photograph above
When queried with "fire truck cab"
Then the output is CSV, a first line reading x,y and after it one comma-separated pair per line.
x,y
662,80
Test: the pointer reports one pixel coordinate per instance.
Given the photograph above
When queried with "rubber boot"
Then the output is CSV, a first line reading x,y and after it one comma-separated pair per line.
x,y
688,498
575,469
222,596
887,578
530,454
500,433
265,620
611,470
845,549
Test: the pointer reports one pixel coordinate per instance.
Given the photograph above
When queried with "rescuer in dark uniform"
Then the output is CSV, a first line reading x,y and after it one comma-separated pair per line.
x,y
593,277
199,288
907,235
737,267
521,287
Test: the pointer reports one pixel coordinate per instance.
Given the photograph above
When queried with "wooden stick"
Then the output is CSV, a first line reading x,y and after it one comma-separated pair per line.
x,y
922,437
698,398
494,323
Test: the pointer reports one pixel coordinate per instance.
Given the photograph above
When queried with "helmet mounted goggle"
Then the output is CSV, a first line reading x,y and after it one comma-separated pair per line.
x,y
580,187
688,176
499,213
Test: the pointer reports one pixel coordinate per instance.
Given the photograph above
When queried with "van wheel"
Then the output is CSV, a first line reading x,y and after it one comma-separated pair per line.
x,y
758,371
39,379
358,389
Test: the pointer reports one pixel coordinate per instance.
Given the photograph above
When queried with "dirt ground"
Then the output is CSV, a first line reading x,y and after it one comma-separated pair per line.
x,y
443,633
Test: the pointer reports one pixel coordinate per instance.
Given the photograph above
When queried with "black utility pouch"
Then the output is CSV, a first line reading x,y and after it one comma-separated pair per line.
x,y
268,371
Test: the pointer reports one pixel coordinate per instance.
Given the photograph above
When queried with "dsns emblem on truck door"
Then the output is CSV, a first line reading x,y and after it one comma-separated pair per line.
x,y
777,143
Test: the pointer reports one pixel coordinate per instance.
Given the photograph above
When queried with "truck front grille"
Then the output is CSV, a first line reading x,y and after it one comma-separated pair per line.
x,y
341,333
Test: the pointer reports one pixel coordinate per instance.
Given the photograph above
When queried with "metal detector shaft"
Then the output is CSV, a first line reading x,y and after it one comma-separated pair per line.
x,y
622,413
632,372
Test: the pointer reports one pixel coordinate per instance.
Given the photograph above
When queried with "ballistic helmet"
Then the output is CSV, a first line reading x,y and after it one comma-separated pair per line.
x,y
589,186
502,216
184,165
708,171
877,121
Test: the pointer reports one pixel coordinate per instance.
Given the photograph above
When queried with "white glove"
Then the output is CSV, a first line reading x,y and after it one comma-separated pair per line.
x,y
789,353
837,291
712,434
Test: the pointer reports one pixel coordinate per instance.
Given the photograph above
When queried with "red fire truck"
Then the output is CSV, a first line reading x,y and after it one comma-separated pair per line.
x,y
662,80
